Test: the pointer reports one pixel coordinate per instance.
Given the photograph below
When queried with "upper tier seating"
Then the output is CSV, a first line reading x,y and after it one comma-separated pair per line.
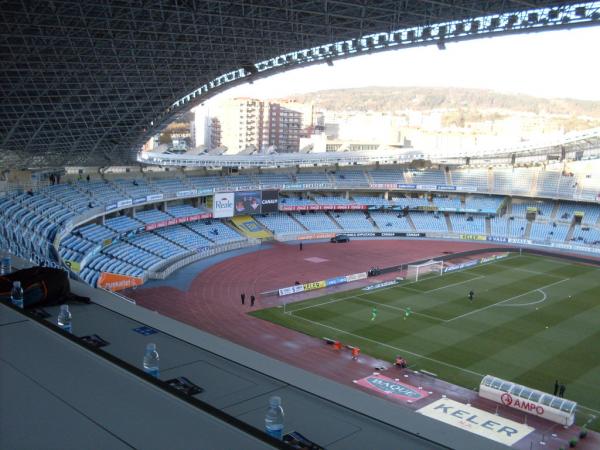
x,y
586,235
471,177
332,200
151,216
515,181
548,231
544,208
427,177
370,200
566,211
350,178
183,210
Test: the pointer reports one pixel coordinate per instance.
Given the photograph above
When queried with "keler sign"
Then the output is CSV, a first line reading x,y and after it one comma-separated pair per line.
x,y
476,421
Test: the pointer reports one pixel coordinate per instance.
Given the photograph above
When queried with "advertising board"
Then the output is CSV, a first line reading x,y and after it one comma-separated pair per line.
x,y
476,421
270,202
247,203
223,205
116,282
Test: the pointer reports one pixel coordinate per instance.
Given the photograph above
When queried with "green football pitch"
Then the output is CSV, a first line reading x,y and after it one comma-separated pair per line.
x,y
533,320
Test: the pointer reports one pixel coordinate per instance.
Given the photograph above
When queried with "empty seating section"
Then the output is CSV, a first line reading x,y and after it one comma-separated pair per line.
x,y
95,233
471,177
208,182
74,248
170,185
590,186
137,188
429,222
391,221
241,181
151,216
122,224
318,221
157,245
586,235
387,176
280,223
370,200
184,237
548,182
427,177
515,181
130,254
485,205
100,191
566,212
506,227
274,179
466,223
350,178
544,209
332,200
295,201
353,220
548,231
216,231
451,203
312,178
183,210
407,202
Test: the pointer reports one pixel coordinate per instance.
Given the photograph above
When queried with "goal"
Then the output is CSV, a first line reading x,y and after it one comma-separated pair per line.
x,y
416,271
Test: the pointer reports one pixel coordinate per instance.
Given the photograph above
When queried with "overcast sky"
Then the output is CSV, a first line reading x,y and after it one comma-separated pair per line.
x,y
548,64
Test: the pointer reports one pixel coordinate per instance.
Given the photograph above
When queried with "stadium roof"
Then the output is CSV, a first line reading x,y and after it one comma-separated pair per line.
x,y
87,82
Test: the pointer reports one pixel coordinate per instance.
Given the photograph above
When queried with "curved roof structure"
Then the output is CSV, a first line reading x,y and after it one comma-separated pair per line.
x,y
87,82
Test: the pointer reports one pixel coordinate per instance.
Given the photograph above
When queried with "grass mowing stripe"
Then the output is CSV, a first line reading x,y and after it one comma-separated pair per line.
x,y
437,319
389,346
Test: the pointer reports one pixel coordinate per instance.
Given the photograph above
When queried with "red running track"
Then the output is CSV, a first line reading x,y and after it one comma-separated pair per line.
x,y
212,303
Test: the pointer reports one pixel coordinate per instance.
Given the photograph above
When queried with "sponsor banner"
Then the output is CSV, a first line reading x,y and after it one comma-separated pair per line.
x,y
247,203
139,201
413,234
519,241
445,187
356,276
393,389
314,236
406,186
314,285
386,186
291,290
204,192
177,220
111,207
473,237
124,203
497,239
476,421
461,266
380,285
336,280
270,202
189,193
466,188
116,282
321,207
223,205
426,187
73,266
154,197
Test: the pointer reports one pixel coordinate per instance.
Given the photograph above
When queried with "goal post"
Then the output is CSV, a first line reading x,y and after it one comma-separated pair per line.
x,y
414,272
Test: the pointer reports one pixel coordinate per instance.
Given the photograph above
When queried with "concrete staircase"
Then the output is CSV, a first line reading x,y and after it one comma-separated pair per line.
x,y
448,222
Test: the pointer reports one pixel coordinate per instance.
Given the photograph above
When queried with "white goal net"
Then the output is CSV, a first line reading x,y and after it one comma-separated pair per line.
x,y
415,272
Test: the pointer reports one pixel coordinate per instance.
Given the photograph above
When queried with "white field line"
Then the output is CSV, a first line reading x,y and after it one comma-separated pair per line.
x,y
390,346
506,300
454,284
399,309
530,303
403,285
519,269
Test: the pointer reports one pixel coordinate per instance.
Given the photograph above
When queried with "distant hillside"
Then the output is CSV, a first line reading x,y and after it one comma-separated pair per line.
x,y
390,99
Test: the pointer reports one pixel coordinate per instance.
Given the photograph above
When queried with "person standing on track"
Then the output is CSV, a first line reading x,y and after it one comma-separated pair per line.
x,y
243,296
252,299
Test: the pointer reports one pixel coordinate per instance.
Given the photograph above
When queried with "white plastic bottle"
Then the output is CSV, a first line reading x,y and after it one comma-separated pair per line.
x,y
274,418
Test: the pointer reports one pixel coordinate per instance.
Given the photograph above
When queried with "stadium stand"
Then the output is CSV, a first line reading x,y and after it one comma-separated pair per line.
x,y
280,223
353,220
316,221
548,231
467,223
391,221
431,222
